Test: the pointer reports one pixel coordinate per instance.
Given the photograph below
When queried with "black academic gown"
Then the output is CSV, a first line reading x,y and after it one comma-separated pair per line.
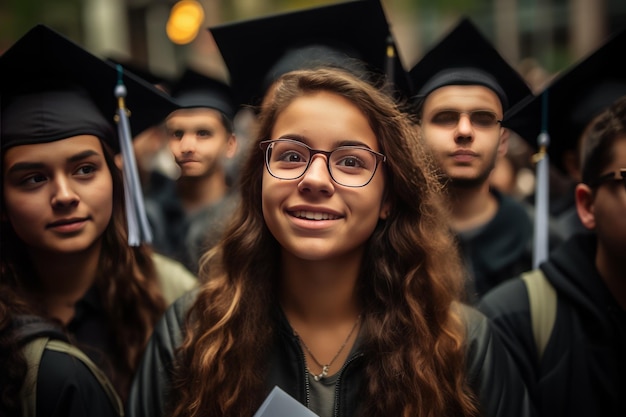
x,y
499,250
582,372
186,236
67,388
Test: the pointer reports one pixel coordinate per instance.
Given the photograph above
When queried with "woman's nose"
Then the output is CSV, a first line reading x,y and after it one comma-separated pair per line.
x,y
64,194
317,176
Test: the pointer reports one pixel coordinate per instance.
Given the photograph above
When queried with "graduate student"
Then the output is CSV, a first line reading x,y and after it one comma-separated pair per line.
x,y
462,90
337,281
66,253
188,214
576,364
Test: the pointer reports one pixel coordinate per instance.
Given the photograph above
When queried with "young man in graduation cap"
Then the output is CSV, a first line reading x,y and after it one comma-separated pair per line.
x,y
462,90
565,327
188,213
564,109
353,35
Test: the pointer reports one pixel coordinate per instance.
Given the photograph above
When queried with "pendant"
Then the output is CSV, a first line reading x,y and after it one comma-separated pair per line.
x,y
321,375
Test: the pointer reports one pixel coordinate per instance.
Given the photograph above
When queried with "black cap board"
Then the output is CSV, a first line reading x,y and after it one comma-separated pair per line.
x,y
52,89
466,57
194,89
354,35
142,71
573,98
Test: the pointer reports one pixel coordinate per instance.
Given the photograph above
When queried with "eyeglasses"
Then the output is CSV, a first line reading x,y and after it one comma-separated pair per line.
x,y
350,166
619,176
478,118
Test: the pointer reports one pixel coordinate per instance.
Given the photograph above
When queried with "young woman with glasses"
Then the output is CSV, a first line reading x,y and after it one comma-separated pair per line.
x,y
337,279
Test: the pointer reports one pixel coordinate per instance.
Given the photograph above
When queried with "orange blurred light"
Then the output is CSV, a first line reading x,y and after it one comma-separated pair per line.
x,y
186,19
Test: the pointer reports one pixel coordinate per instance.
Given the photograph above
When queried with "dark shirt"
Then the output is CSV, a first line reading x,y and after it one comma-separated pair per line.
x,y
181,235
582,370
500,249
67,388
91,333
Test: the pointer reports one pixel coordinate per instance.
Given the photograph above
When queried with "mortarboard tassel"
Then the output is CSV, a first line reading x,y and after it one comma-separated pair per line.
x,y
138,225
542,161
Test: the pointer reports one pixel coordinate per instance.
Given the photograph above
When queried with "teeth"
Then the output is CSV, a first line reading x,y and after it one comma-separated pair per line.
x,y
311,215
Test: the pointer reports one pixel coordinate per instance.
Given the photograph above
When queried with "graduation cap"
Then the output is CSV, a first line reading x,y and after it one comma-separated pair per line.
x,y
194,89
465,57
353,35
554,120
143,72
52,89
573,98
46,58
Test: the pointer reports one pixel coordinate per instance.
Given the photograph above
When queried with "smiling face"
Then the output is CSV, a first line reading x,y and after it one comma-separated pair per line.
x,y
59,195
465,151
313,217
199,141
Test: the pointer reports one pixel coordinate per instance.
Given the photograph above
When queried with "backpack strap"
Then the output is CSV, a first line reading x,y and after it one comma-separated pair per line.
x,y
107,386
33,351
36,335
542,299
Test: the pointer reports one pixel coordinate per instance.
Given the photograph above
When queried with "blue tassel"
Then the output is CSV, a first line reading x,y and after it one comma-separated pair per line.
x,y
138,225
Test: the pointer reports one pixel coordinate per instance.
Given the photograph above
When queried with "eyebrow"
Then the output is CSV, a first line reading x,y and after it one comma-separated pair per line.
x,y
25,166
337,144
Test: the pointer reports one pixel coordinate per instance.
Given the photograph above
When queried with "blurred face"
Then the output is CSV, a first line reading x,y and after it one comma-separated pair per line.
x,y
313,217
199,141
58,195
605,210
466,146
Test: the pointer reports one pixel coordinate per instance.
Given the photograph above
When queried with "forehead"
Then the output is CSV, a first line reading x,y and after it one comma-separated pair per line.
x,y
324,116
52,151
198,114
463,97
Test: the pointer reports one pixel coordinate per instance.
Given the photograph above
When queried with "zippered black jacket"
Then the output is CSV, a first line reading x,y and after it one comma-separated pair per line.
x,y
491,369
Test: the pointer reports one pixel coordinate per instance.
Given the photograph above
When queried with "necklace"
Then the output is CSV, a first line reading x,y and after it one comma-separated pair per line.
x,y
326,367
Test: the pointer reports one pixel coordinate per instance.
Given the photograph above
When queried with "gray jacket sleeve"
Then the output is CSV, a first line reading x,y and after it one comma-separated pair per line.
x,y
150,386
492,372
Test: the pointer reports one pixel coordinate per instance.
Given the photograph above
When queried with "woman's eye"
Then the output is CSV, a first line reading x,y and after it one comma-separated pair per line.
x,y
34,179
86,170
291,157
350,162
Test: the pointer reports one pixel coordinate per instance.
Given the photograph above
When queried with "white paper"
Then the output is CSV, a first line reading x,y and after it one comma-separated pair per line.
x,y
280,404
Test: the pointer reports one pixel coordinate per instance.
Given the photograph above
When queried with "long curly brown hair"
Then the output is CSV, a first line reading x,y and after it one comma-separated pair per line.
x,y
410,279
12,361
126,281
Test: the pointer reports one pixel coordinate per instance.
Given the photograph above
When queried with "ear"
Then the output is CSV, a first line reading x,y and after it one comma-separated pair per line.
x,y
231,146
385,209
584,206
503,147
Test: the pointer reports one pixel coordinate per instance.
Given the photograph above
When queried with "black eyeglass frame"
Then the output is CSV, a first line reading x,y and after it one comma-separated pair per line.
x,y
469,114
617,176
265,146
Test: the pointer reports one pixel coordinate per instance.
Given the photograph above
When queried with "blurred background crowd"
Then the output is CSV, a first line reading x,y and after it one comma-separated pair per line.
x,y
539,38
